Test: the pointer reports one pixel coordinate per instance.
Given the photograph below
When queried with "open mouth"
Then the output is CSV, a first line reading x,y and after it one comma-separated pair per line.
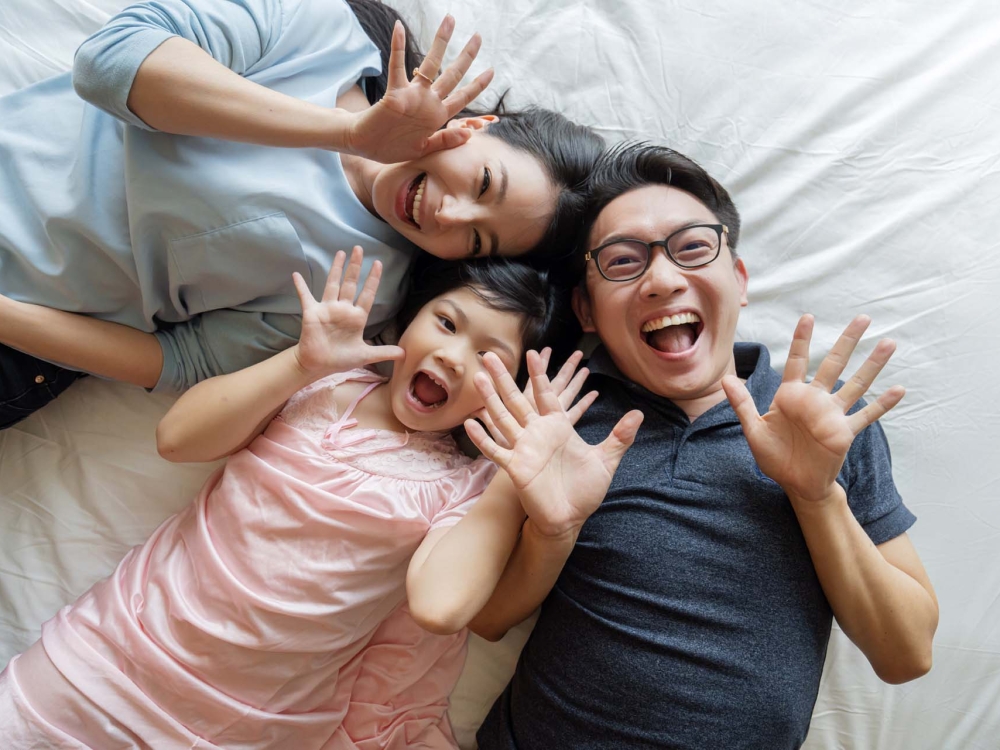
x,y
673,334
414,197
427,392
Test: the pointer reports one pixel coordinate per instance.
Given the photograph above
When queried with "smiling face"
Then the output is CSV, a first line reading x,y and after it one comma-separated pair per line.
x,y
431,388
672,329
481,198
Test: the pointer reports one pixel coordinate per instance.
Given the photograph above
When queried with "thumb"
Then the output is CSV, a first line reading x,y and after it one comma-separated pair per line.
x,y
383,353
445,139
620,439
741,401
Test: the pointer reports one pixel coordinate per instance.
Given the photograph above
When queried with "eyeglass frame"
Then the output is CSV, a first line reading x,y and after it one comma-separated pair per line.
x,y
720,229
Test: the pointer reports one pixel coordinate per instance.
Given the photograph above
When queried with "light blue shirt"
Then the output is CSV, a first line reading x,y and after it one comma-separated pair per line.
x,y
194,238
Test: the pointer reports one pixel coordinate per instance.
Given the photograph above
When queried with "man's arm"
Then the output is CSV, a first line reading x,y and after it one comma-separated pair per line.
x,y
881,596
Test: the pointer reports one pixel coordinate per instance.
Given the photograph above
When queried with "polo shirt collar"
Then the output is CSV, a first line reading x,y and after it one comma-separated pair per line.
x,y
753,362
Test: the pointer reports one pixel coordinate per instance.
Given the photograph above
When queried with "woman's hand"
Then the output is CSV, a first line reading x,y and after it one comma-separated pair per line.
x,y
802,441
559,478
332,338
406,123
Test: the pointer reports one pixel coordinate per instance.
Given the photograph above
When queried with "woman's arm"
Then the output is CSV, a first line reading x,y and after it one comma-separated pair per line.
x,y
223,414
96,346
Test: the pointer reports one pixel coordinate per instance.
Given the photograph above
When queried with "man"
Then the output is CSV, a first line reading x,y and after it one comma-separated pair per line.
x,y
690,605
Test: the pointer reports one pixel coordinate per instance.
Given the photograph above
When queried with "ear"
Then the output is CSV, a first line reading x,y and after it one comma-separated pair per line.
x,y
742,278
582,308
478,122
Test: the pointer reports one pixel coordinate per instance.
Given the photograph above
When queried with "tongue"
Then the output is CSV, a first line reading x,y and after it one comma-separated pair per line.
x,y
427,390
672,339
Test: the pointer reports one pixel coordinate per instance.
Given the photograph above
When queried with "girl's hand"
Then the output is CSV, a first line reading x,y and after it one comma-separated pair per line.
x,y
559,478
333,328
406,123
802,441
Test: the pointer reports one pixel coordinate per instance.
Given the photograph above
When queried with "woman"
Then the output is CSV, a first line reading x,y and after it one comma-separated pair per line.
x,y
166,207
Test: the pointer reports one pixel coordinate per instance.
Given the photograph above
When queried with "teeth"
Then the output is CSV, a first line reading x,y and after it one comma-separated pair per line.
x,y
670,320
416,201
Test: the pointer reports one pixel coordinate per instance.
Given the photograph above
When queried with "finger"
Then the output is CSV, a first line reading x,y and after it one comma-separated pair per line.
x,y
349,286
529,392
620,439
545,397
487,446
432,63
460,99
798,353
483,416
862,380
513,399
367,297
835,362
454,73
566,372
383,353
742,403
442,140
875,411
306,298
581,406
503,421
397,58
574,387
332,288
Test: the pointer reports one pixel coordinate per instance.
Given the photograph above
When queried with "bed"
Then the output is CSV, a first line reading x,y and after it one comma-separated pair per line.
x,y
860,142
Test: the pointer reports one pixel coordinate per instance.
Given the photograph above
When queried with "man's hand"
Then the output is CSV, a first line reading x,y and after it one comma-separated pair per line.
x,y
333,328
559,478
802,441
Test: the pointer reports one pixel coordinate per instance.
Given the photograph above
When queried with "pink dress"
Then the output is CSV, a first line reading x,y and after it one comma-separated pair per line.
x,y
268,614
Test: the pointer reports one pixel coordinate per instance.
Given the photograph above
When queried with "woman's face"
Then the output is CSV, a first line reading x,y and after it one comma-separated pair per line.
x,y
432,387
481,198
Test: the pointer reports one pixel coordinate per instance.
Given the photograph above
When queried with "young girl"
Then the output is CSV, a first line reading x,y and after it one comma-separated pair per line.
x,y
270,613
158,205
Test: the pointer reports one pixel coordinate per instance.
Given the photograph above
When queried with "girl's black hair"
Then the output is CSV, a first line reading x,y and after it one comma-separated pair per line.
x,y
505,285
377,19
567,151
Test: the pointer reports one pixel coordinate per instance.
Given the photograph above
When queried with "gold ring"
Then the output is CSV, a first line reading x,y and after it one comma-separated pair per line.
x,y
418,74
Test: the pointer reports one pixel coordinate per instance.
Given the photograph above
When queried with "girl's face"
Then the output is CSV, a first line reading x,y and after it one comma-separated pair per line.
x,y
431,388
481,198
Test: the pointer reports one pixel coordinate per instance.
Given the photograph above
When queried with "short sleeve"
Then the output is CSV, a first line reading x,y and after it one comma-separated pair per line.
x,y
462,491
221,341
871,491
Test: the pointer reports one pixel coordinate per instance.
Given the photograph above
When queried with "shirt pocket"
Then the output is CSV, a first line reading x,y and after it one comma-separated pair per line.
x,y
246,266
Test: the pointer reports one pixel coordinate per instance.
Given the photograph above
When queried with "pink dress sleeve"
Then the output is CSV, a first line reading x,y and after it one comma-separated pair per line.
x,y
467,490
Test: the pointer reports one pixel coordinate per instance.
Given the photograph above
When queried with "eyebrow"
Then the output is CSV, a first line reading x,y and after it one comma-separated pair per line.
x,y
464,320
501,197
618,236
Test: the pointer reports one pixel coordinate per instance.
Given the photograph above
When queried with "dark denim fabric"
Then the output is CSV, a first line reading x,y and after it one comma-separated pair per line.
x,y
27,384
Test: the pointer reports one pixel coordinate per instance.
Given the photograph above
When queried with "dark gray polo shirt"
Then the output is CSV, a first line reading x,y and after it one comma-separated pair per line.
x,y
689,615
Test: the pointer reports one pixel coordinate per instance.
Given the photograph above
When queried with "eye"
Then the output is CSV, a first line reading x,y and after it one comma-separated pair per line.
x,y
446,323
487,179
477,243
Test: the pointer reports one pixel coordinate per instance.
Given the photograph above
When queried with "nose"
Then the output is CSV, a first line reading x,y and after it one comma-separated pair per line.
x,y
453,212
451,359
663,278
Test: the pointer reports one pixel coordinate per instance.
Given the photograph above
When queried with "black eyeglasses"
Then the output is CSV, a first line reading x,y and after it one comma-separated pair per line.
x,y
688,247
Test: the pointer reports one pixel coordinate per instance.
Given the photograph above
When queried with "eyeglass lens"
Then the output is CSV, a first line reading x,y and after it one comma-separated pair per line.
x,y
689,248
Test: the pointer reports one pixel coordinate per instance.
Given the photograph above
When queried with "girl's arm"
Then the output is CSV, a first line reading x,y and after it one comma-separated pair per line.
x,y
100,347
223,414
557,477
179,67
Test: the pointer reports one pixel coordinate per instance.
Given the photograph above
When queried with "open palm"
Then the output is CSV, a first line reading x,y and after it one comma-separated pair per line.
x,y
332,338
559,478
406,122
803,439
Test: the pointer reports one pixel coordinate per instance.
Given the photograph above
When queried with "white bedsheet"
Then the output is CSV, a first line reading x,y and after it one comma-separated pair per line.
x,y
863,149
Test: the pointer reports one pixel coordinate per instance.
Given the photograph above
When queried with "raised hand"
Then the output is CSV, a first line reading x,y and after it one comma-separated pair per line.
x,y
559,478
802,441
406,122
333,328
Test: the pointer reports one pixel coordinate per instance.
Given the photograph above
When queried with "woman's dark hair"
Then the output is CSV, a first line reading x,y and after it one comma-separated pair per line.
x,y
505,285
377,19
635,164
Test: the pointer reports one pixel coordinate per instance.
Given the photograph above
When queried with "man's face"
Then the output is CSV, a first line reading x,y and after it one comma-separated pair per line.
x,y
684,361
